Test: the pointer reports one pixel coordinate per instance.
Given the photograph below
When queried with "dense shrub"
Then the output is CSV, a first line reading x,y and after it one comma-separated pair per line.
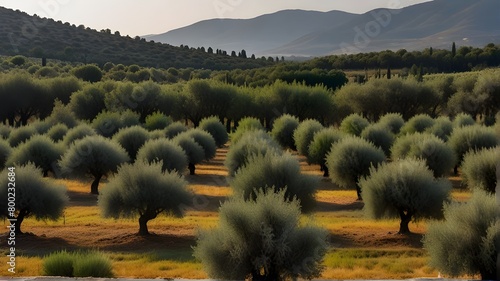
x,y
205,140
350,159
39,150
172,156
132,139
78,132
479,169
354,124
77,264
262,239
35,197
90,73
271,173
57,132
145,191
442,128
41,126
157,121
214,127
62,114
194,152
95,156
304,134
21,134
321,145
174,129
251,143
5,151
283,128
468,138
467,241
88,102
393,121
438,156
107,123
380,136
130,118
462,120
244,125
404,189
417,124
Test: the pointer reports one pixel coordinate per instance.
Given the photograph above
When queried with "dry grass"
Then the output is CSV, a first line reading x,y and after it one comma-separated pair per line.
x,y
360,248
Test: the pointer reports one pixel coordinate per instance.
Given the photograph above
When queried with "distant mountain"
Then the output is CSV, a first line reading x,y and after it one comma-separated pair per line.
x,y
305,33
22,34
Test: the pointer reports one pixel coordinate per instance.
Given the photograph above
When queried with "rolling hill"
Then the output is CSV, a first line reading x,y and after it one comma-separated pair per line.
x,y
23,34
305,33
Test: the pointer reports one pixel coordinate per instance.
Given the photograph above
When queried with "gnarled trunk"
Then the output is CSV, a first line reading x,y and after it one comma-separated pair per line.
x,y
191,168
94,187
20,218
143,221
324,168
405,220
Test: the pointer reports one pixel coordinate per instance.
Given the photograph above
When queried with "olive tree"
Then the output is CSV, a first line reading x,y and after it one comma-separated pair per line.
x,y
462,120
438,156
77,133
350,159
157,121
304,134
21,134
354,124
95,156
321,145
272,173
404,189
442,128
88,102
205,140
172,156
107,123
39,150
392,121
263,239
479,169
214,127
34,196
57,132
467,241
194,152
417,124
380,136
283,128
144,190
174,129
132,139
244,125
465,139
251,143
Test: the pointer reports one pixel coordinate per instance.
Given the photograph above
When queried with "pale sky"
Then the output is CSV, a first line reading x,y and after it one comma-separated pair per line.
x,y
134,17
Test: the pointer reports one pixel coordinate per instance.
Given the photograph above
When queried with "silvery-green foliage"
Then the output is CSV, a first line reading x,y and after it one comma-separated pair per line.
x,y
404,189
251,143
107,123
174,129
4,131
262,238
193,150
304,135
5,151
78,132
465,139
467,241
417,124
172,156
132,139
205,140
214,127
354,124
322,143
57,132
380,136
283,128
274,172
438,156
479,169
462,120
157,121
442,128
21,134
392,121
244,125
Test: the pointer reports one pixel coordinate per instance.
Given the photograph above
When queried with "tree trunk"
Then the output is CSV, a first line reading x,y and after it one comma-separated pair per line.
x,y
143,222
405,220
20,218
191,168
455,170
228,126
324,168
94,188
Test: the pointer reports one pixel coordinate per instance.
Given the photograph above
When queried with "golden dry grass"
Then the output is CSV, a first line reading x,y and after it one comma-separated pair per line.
x,y
360,248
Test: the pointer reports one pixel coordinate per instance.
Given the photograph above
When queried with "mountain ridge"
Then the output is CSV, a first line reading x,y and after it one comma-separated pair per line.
x,y
436,23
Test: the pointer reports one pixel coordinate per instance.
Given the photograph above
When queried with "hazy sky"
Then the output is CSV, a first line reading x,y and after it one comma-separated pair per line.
x,y
134,17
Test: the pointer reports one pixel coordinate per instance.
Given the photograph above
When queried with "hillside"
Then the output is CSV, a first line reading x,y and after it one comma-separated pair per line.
x,y
304,33
28,35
